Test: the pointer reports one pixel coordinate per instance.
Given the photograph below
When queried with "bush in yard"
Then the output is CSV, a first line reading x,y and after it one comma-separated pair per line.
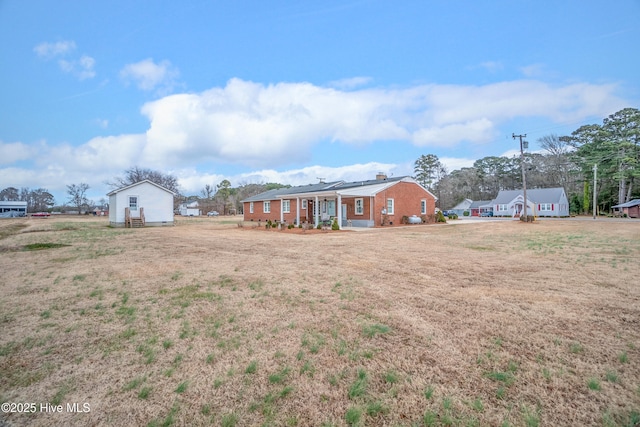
x,y
334,224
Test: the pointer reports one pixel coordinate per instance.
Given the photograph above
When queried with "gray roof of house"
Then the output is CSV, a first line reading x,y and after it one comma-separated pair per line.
x,y
312,188
273,194
535,195
629,204
479,203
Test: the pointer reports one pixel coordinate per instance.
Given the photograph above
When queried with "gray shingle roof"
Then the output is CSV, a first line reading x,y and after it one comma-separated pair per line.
x,y
311,188
536,195
273,194
629,204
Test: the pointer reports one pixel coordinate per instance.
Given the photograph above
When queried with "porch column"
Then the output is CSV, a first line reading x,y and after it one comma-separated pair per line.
x,y
282,211
339,207
316,207
297,210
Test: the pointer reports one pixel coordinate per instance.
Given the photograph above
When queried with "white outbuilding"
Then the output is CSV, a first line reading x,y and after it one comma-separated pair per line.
x,y
144,203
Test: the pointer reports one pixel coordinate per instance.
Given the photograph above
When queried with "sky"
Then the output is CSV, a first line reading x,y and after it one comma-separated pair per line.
x,y
293,91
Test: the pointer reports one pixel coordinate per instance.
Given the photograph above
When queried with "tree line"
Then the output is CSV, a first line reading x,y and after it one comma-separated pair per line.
x,y
568,161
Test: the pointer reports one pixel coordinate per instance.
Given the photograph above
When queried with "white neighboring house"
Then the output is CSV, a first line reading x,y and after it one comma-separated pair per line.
x,y
190,209
146,201
540,202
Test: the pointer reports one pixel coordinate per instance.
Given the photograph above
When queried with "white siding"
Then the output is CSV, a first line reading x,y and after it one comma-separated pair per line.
x,y
157,204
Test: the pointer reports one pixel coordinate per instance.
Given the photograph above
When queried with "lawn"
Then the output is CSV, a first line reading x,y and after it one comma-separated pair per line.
x,y
207,323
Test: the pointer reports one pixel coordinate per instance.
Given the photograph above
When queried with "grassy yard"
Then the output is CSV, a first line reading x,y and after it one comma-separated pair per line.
x,y
205,323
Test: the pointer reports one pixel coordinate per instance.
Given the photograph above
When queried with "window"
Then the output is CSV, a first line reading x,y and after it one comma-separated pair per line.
x,y
250,207
359,207
304,203
286,206
423,207
389,206
266,206
545,207
133,203
502,208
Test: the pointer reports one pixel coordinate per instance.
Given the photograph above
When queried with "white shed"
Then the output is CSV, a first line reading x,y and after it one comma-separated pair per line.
x,y
141,204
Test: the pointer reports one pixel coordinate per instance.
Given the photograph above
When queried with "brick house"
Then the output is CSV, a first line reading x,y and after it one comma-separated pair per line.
x,y
360,203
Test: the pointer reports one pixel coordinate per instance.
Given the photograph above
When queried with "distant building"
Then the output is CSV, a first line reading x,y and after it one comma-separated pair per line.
x,y
630,209
12,209
541,202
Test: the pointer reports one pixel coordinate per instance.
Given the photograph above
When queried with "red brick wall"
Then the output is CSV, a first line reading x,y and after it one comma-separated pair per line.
x,y
274,215
351,208
406,200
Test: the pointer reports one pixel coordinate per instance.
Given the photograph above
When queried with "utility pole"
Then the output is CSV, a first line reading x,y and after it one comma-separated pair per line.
x,y
523,145
595,202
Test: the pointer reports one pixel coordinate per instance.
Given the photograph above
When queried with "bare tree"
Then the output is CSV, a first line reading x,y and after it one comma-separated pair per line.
x,y
78,195
137,174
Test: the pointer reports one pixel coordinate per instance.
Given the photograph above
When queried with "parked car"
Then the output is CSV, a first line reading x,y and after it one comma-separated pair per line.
x,y
213,213
486,213
448,213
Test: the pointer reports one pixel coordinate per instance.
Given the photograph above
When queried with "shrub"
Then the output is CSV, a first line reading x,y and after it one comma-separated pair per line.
x,y
405,219
465,213
319,227
334,224
440,217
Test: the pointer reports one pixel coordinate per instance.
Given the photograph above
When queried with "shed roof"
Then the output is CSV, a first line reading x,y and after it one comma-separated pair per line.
x,y
629,204
118,190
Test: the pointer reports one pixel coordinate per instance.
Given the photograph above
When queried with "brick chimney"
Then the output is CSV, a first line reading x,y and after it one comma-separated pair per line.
x,y
381,176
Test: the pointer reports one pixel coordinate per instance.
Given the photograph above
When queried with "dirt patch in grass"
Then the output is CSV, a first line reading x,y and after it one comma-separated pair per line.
x,y
209,323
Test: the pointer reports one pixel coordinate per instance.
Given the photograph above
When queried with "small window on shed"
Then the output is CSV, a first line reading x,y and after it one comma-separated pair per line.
x,y
133,203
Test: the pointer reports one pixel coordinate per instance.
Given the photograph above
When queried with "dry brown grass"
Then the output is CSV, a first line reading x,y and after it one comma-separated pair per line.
x,y
205,323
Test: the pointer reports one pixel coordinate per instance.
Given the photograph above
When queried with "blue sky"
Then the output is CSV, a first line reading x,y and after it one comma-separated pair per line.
x,y
284,91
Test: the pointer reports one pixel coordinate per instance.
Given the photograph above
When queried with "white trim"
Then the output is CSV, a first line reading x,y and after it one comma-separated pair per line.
x,y
286,206
250,207
423,206
390,209
266,206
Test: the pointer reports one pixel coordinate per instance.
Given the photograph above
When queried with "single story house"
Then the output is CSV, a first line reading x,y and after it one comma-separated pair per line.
x,y
461,207
140,204
189,209
478,207
10,209
380,201
631,209
541,202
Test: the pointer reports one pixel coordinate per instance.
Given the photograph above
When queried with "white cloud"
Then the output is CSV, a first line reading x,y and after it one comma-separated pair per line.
x,y
350,83
492,66
13,152
533,70
83,68
52,50
312,174
148,75
258,125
